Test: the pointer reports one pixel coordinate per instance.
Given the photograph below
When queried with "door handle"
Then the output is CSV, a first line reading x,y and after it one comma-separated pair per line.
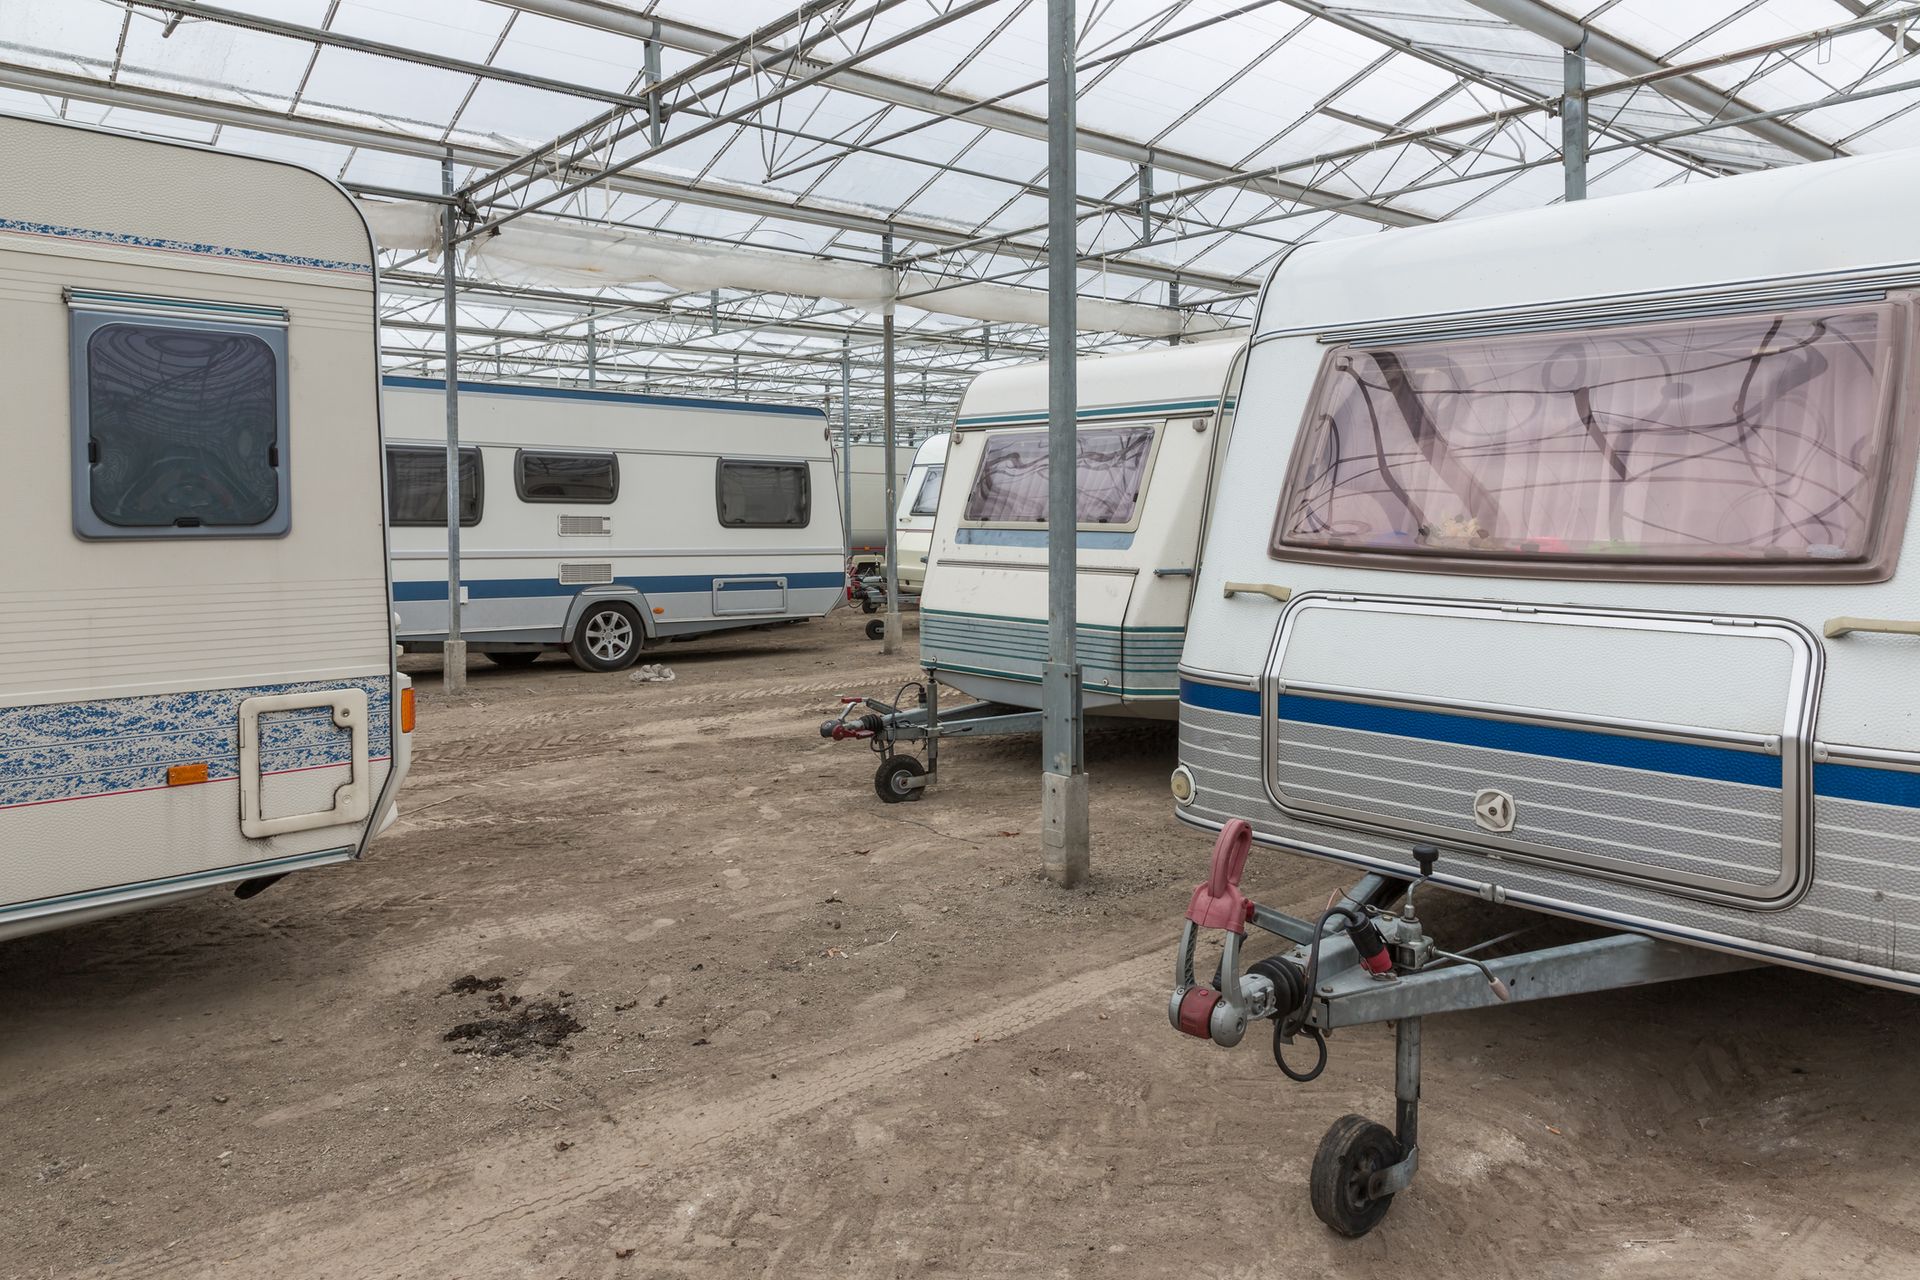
x,y
1282,594
1837,627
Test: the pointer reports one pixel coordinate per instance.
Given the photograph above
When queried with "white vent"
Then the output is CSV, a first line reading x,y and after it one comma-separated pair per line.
x,y
585,526
585,575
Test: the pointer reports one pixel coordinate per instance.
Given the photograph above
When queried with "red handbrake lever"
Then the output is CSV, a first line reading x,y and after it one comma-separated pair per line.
x,y
1219,904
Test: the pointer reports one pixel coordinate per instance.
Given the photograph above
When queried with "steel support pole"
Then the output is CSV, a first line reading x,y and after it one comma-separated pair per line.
x,y
650,53
1063,805
453,664
593,354
1573,120
846,449
890,641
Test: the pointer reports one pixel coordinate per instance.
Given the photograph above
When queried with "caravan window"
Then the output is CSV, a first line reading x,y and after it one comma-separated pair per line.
x,y
566,477
926,498
1749,441
1011,486
764,495
180,428
417,487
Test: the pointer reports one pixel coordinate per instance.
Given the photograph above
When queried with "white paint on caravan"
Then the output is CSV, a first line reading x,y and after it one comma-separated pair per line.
x,y
867,544
919,503
599,520
1150,427
1596,526
197,683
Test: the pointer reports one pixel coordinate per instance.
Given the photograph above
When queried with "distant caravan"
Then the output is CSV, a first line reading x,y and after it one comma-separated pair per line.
x,y
197,683
914,518
1564,559
1151,428
600,522
867,524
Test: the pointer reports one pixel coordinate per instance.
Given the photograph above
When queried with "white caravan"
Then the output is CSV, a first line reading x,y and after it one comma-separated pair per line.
x,y
1151,423
197,685
919,503
600,521
1564,559
867,524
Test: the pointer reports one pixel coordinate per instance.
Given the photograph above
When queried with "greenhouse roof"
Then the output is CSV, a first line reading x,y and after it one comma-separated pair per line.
x,y
777,153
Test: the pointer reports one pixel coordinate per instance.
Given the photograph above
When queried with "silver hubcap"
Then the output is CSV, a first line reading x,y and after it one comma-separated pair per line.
x,y
609,636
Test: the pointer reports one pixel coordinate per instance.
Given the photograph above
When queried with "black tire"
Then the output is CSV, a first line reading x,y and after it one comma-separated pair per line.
x,y
514,658
877,629
867,605
597,643
889,783
1354,1149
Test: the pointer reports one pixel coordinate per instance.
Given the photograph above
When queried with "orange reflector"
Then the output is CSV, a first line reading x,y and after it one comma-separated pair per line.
x,y
406,711
185,775
658,610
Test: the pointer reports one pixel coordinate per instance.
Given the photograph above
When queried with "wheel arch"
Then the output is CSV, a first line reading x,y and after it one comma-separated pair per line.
x,y
587,597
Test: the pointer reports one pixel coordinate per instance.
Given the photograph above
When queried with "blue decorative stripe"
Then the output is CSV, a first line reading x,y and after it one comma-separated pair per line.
x,y
76,750
1864,782
604,397
1839,781
1721,764
1217,697
1087,541
93,236
1094,413
668,584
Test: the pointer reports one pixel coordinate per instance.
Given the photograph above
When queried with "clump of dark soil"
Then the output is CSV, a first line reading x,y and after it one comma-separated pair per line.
x,y
469,984
518,1029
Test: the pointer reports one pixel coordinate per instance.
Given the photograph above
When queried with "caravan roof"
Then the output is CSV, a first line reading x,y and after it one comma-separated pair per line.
x,y
1157,380
1818,220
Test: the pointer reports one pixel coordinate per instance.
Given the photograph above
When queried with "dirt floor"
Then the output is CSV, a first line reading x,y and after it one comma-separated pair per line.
x,y
646,982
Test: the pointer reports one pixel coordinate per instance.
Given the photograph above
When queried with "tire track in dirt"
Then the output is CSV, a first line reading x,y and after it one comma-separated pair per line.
x,y
494,1197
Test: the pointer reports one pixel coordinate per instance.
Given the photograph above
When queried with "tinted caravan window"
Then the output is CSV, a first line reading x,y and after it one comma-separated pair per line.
x,y
417,487
566,477
179,429
926,498
1749,440
1011,486
764,495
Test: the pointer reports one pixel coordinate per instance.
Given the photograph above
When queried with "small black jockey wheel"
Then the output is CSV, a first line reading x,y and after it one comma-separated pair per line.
x,y
893,783
1354,1149
877,629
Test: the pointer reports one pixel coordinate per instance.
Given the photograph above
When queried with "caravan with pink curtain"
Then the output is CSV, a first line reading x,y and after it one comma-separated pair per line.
x,y
1152,426
1564,559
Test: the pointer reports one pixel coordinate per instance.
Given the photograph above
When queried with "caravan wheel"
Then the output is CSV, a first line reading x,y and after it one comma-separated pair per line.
x,y
1352,1151
607,639
894,781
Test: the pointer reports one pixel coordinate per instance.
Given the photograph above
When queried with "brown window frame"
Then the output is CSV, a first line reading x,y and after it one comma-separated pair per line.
x,y
1895,408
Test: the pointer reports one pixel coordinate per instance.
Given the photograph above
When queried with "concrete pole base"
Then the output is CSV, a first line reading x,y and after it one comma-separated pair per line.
x,y
1064,831
890,637
453,666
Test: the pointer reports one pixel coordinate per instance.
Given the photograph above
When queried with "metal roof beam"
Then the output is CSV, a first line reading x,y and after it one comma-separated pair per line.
x,y
651,184
379,49
916,97
1550,24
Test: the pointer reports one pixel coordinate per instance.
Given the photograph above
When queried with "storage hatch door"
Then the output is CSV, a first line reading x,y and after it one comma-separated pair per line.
x,y
1669,750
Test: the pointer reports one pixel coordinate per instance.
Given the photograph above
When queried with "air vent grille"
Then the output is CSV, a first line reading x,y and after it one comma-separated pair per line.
x,y
585,575
585,526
